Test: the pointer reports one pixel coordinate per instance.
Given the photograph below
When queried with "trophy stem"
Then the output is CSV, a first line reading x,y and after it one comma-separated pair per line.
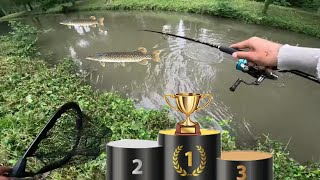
x,y
188,122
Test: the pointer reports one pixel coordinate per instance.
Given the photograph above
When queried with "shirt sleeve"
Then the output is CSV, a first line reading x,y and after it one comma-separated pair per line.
x,y
299,58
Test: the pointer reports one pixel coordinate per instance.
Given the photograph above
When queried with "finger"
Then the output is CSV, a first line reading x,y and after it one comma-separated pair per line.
x,y
250,56
241,45
4,169
4,178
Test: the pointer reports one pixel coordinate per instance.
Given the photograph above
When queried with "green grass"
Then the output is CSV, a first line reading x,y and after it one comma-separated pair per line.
x,y
31,92
244,10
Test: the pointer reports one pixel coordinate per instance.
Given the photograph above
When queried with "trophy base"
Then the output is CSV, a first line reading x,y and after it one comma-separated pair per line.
x,y
182,130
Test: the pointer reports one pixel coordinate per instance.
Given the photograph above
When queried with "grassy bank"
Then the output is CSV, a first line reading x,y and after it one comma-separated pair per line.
x,y
244,10
31,92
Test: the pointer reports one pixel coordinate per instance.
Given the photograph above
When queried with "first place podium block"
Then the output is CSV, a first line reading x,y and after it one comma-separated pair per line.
x,y
134,160
190,157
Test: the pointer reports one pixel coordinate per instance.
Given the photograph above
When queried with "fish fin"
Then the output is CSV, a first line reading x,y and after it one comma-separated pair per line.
x,y
156,55
93,17
142,50
143,62
93,26
122,64
102,64
69,26
155,46
100,21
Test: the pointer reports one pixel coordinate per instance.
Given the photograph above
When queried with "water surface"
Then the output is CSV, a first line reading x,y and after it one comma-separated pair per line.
x,y
285,109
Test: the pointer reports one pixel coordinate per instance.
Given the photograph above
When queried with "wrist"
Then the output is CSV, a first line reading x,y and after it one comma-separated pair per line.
x,y
298,58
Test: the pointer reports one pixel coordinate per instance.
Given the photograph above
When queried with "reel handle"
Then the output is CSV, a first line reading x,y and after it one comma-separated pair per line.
x,y
235,85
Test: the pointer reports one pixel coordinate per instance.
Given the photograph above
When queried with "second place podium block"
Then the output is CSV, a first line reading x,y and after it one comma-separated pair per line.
x,y
134,160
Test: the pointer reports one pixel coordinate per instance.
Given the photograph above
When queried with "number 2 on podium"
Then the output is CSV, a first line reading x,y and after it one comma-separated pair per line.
x,y
242,171
137,169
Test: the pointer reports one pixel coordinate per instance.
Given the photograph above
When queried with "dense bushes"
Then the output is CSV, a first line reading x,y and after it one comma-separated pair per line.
x,y
311,4
21,41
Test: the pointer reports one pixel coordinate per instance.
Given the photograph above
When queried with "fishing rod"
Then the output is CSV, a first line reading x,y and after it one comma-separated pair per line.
x,y
260,73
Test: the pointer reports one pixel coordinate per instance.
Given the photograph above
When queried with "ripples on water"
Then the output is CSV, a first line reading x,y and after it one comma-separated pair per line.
x,y
184,67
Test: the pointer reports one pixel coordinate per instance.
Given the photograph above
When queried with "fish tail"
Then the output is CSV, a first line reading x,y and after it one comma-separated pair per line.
x,y
100,21
156,55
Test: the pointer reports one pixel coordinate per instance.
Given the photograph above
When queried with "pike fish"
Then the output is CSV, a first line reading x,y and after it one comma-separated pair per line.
x,y
92,21
140,56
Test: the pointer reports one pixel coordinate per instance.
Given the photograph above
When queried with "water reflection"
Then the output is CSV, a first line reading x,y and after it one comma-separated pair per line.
x,y
83,43
82,26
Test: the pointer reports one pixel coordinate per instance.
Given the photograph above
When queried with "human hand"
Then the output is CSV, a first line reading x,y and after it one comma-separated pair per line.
x,y
261,52
4,171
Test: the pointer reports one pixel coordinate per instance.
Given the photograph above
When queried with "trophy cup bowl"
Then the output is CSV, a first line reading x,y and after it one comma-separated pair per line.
x,y
188,103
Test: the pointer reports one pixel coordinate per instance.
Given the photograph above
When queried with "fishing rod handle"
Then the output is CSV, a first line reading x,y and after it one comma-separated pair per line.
x,y
227,50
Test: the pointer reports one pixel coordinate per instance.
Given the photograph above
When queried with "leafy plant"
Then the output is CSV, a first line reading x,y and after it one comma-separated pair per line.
x,y
21,41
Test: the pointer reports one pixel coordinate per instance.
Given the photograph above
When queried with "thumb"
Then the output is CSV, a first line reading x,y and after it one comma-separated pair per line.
x,y
250,56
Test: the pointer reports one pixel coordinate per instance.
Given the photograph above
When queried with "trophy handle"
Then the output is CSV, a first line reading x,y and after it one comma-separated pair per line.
x,y
167,101
207,103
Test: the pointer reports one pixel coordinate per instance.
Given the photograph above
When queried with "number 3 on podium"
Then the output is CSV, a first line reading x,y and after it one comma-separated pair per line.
x,y
242,171
137,169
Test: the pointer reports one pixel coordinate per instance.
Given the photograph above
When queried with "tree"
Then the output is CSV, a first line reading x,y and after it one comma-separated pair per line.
x,y
5,6
266,6
25,3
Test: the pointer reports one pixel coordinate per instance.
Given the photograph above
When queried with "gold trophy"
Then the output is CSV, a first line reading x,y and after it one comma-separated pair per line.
x,y
188,103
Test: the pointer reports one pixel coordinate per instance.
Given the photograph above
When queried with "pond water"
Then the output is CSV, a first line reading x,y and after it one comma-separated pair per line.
x,y
4,28
286,109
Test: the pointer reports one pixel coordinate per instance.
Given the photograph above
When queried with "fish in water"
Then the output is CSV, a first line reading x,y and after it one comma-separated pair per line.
x,y
92,21
140,56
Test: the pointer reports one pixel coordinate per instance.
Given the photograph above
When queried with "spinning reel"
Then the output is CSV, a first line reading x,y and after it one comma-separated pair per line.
x,y
260,73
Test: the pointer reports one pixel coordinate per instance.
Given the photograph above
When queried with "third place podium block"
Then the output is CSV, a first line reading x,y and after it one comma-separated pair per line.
x,y
245,165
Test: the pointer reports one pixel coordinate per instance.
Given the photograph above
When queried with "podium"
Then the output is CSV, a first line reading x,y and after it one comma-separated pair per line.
x,y
175,157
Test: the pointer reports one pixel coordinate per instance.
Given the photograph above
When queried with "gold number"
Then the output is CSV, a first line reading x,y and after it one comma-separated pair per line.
x,y
242,171
189,154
